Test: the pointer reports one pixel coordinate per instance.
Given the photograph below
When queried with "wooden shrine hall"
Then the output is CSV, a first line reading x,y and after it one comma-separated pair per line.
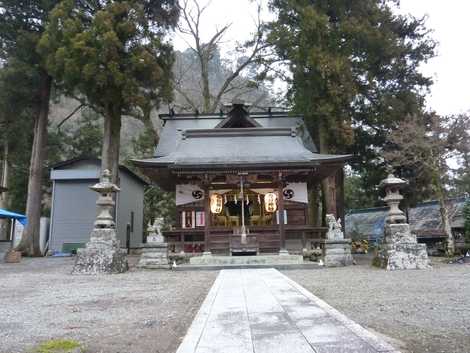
x,y
241,181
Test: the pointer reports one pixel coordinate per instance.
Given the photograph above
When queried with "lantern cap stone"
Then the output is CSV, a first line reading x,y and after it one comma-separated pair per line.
x,y
392,180
105,185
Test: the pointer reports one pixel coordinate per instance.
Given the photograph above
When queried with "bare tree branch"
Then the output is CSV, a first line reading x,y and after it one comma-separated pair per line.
x,y
186,97
191,18
70,115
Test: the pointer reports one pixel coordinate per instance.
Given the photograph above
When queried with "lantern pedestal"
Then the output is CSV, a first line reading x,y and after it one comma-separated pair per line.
x,y
101,255
401,250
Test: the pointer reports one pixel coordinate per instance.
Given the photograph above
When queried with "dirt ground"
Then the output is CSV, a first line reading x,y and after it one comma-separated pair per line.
x,y
138,312
422,311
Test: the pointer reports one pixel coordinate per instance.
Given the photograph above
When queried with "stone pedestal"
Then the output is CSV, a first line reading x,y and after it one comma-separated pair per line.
x,y
401,250
101,255
154,256
337,252
12,257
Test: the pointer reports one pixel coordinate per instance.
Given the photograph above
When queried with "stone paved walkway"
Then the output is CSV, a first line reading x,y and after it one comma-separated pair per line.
x,y
263,311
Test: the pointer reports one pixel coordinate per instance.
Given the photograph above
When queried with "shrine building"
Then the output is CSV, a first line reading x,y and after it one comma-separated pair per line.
x,y
241,181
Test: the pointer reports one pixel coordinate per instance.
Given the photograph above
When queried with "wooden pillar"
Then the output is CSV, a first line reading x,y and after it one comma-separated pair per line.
x,y
207,217
282,231
340,211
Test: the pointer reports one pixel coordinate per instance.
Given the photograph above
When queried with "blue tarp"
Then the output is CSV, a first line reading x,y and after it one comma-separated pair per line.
x,y
7,214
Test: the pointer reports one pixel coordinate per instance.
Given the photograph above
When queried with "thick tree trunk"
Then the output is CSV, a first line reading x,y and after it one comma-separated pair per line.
x,y
111,141
328,185
4,196
29,244
329,195
341,212
314,207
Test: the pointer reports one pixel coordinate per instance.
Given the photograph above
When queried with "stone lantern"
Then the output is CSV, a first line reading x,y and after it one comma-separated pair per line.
x,y
102,253
392,186
400,249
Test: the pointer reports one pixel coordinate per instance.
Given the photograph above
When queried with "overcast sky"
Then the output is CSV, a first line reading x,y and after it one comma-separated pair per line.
x,y
449,20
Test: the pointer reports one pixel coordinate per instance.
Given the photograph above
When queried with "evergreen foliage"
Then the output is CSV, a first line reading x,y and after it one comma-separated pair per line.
x,y
157,202
114,54
354,67
82,139
16,131
22,24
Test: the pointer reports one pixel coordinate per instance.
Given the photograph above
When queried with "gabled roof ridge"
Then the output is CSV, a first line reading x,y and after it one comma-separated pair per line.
x,y
239,132
257,115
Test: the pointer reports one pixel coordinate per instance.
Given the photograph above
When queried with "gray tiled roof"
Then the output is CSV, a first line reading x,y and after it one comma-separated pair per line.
x,y
240,146
171,132
425,220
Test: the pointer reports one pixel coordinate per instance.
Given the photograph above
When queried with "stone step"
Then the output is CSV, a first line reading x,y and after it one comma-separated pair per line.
x,y
281,267
247,260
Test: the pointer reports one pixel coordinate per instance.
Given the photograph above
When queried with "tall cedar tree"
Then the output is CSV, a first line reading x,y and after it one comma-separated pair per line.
x,y
21,26
114,54
354,68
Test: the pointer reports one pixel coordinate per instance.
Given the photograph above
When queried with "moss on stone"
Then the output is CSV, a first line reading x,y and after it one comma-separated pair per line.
x,y
376,261
59,346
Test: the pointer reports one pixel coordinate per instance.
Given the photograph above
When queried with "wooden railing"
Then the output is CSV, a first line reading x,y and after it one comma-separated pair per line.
x,y
298,237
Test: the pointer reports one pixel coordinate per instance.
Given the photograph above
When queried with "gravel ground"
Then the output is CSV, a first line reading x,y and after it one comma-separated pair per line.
x,y
422,311
150,311
138,312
